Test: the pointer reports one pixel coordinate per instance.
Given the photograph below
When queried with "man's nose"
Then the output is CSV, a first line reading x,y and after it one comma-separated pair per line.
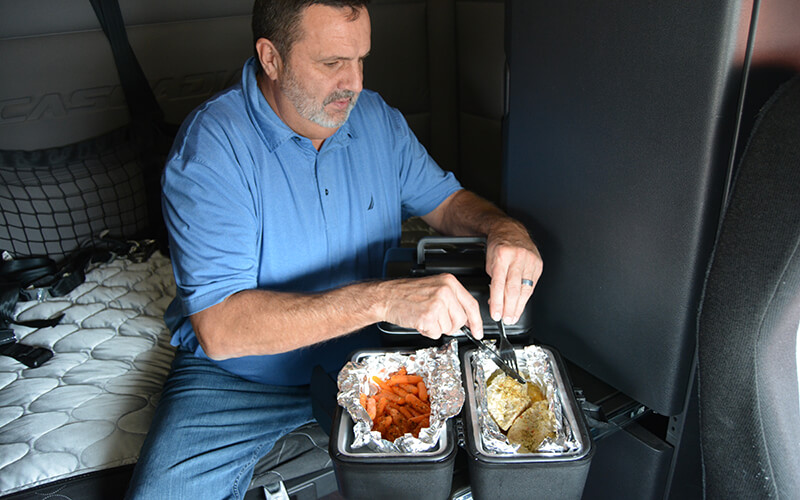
x,y
353,77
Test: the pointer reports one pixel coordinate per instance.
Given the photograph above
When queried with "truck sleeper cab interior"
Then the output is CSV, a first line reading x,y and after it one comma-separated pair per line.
x,y
640,143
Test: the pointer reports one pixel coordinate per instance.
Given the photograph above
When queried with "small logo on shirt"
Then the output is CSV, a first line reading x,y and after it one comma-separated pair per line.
x,y
371,202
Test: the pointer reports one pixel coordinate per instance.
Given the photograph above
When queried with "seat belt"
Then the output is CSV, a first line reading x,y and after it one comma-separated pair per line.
x,y
141,101
149,129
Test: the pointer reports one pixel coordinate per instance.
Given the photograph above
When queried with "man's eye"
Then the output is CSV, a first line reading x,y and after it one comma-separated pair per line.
x,y
332,64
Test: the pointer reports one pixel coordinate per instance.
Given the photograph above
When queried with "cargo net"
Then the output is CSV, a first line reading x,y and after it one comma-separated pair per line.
x,y
53,201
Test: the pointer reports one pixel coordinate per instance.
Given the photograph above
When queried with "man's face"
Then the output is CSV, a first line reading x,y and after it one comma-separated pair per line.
x,y
309,106
323,72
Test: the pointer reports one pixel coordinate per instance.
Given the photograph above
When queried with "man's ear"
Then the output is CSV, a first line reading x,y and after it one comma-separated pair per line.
x,y
269,58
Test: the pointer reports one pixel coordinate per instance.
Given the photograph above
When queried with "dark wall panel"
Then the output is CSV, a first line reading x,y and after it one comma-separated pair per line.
x,y
618,136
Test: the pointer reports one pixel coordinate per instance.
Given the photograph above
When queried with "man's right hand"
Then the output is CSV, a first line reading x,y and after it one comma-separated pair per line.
x,y
433,305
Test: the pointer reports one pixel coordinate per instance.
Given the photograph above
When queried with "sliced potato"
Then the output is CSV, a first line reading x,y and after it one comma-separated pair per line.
x,y
506,400
532,427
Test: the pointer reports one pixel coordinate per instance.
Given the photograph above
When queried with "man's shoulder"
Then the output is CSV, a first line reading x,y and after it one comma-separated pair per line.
x,y
206,132
225,106
220,115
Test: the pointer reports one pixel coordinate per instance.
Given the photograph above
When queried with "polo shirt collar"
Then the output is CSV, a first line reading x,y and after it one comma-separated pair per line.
x,y
272,129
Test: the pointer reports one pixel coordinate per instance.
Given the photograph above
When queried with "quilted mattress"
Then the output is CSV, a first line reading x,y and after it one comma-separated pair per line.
x,y
89,407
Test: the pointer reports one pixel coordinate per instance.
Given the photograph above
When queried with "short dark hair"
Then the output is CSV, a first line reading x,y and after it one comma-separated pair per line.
x,y
279,20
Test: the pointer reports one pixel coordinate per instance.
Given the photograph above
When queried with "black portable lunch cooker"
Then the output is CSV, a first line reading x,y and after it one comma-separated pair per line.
x,y
365,474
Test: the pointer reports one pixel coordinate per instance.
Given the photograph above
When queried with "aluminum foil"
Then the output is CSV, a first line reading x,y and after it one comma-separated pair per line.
x,y
535,366
439,367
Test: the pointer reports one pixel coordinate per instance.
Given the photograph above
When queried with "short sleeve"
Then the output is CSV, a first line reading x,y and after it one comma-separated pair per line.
x,y
210,217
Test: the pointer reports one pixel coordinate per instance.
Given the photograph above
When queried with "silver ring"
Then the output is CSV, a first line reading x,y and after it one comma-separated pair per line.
x,y
527,282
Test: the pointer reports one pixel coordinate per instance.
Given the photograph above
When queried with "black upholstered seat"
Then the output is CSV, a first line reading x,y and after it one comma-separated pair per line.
x,y
748,329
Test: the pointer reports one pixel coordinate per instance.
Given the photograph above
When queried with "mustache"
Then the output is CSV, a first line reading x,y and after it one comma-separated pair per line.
x,y
338,95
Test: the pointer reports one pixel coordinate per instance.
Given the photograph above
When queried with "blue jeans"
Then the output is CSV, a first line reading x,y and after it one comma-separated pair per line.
x,y
209,430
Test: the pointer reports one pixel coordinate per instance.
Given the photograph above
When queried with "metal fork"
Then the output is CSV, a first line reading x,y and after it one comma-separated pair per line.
x,y
494,355
505,348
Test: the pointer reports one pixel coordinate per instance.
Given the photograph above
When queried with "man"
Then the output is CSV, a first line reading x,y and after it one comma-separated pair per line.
x,y
281,197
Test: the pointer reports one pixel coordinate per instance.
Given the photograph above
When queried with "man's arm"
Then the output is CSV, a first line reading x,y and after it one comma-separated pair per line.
x,y
254,322
511,255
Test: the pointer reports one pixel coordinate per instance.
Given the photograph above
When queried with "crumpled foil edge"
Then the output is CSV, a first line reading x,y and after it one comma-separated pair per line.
x,y
439,367
535,366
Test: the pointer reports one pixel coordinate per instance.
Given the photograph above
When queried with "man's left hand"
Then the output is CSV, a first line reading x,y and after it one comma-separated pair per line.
x,y
514,264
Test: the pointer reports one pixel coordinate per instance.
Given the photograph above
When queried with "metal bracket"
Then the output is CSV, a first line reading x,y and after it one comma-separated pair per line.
x,y
601,424
276,491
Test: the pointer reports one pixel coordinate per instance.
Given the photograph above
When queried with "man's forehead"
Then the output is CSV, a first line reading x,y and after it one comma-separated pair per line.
x,y
330,30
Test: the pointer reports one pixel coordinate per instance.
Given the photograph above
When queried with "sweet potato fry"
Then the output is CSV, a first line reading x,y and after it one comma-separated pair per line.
x,y
390,395
404,379
417,404
372,408
406,412
413,389
423,391
397,417
381,407
383,385
400,391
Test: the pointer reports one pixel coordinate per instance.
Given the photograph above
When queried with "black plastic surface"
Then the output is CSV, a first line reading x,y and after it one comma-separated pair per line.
x,y
631,463
394,477
618,133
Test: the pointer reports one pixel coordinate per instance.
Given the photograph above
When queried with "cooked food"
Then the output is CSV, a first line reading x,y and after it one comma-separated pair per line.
x,y
532,427
506,399
400,406
535,392
520,410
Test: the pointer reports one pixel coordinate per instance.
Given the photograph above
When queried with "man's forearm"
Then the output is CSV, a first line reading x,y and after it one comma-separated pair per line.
x,y
255,322
466,214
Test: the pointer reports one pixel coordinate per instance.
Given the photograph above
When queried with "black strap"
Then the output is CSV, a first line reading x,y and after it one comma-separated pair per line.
x,y
27,270
30,356
148,127
142,103
7,336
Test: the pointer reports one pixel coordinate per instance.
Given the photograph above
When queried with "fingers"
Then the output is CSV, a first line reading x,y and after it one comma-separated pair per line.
x,y
521,289
434,306
497,289
511,296
515,272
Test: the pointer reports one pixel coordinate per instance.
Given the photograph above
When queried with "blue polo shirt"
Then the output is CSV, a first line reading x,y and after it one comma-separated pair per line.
x,y
250,204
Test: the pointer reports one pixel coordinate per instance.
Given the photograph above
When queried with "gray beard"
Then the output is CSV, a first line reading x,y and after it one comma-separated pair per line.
x,y
308,109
